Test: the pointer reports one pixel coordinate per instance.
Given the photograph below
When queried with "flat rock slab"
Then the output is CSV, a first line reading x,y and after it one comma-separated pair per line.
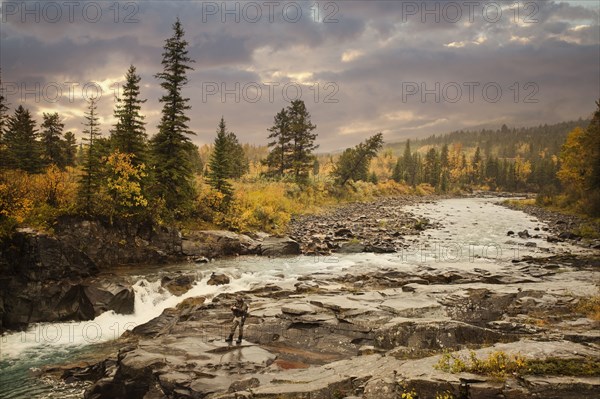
x,y
322,381
299,309
340,303
410,306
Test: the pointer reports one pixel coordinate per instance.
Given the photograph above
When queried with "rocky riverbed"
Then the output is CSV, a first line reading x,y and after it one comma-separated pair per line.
x,y
379,226
563,226
371,334
373,325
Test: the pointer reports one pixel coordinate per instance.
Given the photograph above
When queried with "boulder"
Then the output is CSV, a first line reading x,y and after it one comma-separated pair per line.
x,y
119,243
279,246
123,302
178,285
217,243
218,279
351,248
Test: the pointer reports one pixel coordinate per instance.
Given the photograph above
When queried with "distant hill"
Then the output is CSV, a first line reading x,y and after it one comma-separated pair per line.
x,y
502,143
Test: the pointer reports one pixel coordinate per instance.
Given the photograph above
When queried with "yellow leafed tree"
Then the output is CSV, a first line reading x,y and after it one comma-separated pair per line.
x,y
575,167
124,185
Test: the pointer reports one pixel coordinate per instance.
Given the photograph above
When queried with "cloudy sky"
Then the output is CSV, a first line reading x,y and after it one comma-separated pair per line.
x,y
406,68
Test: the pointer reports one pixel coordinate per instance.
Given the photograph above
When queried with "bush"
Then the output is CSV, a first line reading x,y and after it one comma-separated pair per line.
x,y
499,365
589,306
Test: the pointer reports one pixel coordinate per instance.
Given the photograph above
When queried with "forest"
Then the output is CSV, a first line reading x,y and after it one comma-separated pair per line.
x,y
46,173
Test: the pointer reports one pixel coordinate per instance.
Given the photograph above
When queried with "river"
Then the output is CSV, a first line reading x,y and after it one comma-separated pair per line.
x,y
472,234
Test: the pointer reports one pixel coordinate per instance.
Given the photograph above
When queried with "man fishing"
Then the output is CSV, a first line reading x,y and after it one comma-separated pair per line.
x,y
240,312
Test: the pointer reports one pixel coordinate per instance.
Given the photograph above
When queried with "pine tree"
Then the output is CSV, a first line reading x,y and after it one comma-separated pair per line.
x,y
398,173
303,140
593,141
220,163
408,166
431,169
353,164
238,160
170,146
3,122
477,166
3,110
444,169
22,147
92,164
278,159
70,149
129,133
52,142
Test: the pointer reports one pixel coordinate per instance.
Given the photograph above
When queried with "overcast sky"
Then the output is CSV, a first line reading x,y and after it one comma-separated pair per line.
x,y
408,69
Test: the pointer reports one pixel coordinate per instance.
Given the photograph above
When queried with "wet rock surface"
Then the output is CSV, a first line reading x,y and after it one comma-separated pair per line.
x,y
376,339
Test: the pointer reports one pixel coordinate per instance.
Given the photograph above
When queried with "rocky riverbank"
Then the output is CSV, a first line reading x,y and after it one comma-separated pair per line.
x,y
564,227
373,334
55,277
378,226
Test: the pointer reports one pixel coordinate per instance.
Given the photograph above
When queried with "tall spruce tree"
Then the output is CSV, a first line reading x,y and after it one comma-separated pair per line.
x,y
431,169
278,160
170,146
303,140
444,169
239,164
51,139
129,133
23,149
408,166
70,149
220,163
3,110
92,163
3,121
477,167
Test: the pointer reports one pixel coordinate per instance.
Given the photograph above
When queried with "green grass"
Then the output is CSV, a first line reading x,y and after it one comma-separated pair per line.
x,y
499,365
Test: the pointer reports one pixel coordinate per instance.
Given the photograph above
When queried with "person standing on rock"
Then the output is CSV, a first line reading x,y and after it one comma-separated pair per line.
x,y
240,312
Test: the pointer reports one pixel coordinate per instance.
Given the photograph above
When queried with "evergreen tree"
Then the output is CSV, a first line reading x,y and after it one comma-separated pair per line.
x,y
410,166
22,147
92,162
3,122
278,160
444,169
416,174
238,160
52,142
431,169
316,167
129,133
593,140
491,172
172,166
477,167
373,178
303,140
398,173
70,149
220,163
353,164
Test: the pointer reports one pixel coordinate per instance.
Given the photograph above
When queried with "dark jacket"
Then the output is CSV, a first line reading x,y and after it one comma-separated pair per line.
x,y
240,311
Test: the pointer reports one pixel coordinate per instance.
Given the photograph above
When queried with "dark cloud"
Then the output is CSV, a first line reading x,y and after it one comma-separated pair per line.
x,y
361,54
